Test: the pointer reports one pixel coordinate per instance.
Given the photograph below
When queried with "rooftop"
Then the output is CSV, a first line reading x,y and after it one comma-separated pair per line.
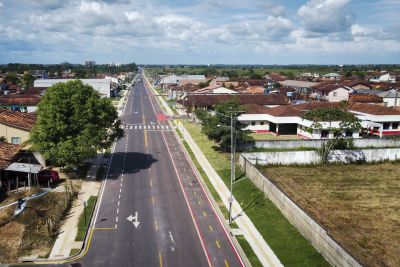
x,y
7,153
210,100
365,98
19,120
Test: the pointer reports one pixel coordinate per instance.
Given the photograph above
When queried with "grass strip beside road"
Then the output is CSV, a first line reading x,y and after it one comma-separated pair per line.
x,y
251,256
81,224
74,251
288,244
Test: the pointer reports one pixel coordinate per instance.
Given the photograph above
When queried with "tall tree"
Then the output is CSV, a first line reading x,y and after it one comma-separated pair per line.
x,y
73,123
218,126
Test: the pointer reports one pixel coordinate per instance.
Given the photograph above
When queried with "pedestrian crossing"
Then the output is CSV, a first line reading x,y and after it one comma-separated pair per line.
x,y
148,127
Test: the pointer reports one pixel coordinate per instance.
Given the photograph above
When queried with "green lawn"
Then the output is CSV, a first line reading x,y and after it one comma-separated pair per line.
x,y
81,224
251,256
289,245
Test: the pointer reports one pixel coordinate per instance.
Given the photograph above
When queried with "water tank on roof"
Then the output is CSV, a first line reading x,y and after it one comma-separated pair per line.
x,y
290,94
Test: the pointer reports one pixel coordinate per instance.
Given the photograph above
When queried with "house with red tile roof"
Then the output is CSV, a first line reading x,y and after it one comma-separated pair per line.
x,y
375,120
15,126
331,92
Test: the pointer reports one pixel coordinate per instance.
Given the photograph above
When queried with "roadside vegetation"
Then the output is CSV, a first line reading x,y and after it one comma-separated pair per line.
x,y
289,245
84,219
358,204
73,123
34,231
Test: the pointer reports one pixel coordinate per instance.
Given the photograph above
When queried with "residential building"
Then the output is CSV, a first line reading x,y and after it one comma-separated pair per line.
x,y
390,98
366,99
15,126
331,93
383,77
332,76
103,86
378,120
39,74
303,87
214,89
287,120
207,101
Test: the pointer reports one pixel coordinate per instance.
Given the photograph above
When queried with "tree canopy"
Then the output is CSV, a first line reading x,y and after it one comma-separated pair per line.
x,y
217,127
73,123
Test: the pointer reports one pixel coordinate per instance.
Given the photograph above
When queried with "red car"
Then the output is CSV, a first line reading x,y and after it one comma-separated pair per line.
x,y
46,175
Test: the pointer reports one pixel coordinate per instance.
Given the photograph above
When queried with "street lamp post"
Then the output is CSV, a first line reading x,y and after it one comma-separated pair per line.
x,y
233,151
232,165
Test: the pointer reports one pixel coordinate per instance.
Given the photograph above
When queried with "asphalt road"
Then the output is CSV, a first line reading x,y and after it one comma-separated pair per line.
x,y
153,210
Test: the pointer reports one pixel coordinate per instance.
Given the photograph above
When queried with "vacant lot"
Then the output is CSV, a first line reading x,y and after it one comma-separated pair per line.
x,y
32,232
359,205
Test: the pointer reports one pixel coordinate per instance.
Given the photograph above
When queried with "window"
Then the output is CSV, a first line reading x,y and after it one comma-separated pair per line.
x,y
349,133
334,93
262,123
386,126
324,133
16,140
253,123
385,104
395,125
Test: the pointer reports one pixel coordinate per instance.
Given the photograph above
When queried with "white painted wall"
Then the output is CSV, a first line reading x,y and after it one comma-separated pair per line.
x,y
337,95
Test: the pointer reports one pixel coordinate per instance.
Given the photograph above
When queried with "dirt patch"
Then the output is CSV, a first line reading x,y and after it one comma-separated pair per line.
x,y
359,205
33,232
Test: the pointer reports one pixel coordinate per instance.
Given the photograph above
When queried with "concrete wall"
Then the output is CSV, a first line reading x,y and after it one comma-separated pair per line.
x,y
309,228
378,143
311,157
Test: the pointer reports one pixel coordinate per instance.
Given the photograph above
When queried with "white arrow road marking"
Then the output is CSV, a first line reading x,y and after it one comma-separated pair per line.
x,y
134,219
172,241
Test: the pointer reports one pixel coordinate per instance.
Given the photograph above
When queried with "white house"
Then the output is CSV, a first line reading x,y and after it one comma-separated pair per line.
x,y
390,98
287,120
332,93
332,76
215,89
383,77
103,86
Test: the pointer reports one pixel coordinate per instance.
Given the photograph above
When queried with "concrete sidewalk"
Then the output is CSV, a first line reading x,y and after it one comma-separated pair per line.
x,y
260,247
66,238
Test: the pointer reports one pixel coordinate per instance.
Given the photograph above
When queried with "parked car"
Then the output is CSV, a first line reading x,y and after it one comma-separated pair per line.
x,y
47,175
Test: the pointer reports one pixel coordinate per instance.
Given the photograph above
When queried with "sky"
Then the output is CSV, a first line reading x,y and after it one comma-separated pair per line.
x,y
200,32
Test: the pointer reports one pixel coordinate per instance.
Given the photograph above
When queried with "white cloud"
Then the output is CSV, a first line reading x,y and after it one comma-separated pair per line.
x,y
326,16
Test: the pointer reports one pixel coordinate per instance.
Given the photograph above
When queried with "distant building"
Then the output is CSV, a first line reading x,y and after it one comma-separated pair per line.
x,y
90,64
332,76
39,74
103,86
390,98
383,77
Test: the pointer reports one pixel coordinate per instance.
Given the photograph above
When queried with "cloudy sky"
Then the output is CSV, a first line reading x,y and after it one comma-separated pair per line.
x,y
200,32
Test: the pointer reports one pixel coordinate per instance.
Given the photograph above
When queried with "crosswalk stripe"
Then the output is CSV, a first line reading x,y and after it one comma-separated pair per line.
x,y
162,126
131,127
140,127
144,127
158,126
135,127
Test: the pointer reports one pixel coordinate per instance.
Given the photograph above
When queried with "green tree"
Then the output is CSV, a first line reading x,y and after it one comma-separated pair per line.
x,y
12,77
217,127
27,80
73,123
80,73
347,122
